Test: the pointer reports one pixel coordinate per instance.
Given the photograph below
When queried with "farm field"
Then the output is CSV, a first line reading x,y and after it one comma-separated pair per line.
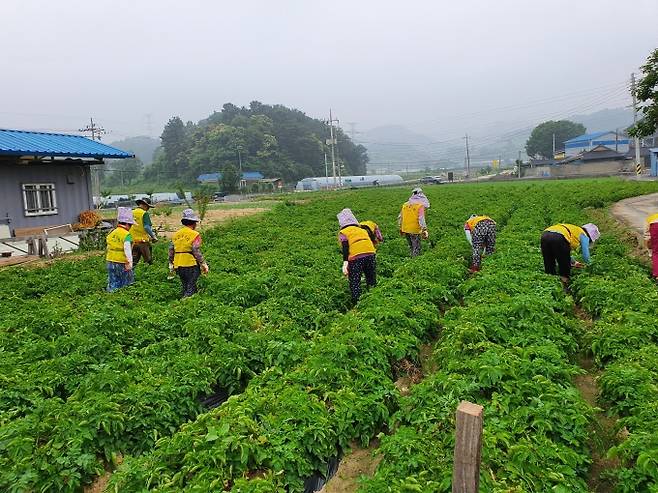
x,y
270,372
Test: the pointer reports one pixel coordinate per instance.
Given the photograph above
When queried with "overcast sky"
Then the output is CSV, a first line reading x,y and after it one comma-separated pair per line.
x,y
439,67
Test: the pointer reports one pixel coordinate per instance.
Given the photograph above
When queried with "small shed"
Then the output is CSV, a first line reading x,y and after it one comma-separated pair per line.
x,y
45,178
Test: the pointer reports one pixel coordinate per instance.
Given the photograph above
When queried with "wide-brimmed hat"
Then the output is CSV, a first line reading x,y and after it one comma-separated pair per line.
x,y
592,231
125,215
146,201
190,215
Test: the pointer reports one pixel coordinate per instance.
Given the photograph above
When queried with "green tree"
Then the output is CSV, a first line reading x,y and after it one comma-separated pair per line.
x,y
540,142
230,178
174,145
646,93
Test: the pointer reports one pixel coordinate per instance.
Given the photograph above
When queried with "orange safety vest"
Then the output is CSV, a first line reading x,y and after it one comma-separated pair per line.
x,y
115,241
182,240
571,233
137,230
358,240
409,223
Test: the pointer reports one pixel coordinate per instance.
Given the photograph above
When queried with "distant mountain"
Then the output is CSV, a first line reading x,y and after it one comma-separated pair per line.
x,y
608,119
393,148
143,147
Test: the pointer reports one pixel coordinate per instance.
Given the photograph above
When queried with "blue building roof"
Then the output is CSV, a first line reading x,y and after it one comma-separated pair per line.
x,y
24,143
586,137
246,175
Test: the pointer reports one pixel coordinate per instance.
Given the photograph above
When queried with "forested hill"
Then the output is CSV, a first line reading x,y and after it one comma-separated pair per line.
x,y
273,139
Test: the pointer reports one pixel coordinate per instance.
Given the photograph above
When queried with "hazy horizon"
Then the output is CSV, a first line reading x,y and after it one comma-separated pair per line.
x,y
437,69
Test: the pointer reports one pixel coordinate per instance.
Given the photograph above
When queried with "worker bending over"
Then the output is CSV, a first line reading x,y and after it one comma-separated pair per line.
x,y
119,255
358,252
142,232
559,240
481,234
411,220
651,241
185,253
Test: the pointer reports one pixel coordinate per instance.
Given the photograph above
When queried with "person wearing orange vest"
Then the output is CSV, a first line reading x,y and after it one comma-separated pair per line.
x,y
651,241
358,253
481,234
559,240
142,232
411,220
119,255
185,253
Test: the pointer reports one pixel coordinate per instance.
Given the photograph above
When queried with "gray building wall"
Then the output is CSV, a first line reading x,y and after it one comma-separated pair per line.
x,y
72,189
600,168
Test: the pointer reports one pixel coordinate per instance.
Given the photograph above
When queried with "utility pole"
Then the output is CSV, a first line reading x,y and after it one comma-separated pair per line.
x,y
518,164
332,142
638,164
553,145
326,169
149,124
96,134
468,159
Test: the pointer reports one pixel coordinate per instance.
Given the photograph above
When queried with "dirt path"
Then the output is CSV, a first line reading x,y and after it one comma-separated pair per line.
x,y
359,462
634,211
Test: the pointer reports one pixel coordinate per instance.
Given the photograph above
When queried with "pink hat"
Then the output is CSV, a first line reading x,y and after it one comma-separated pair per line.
x,y
592,231
125,215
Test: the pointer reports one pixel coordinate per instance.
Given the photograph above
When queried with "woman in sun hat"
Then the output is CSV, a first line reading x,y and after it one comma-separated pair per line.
x,y
481,234
142,231
411,220
185,253
358,252
559,240
119,255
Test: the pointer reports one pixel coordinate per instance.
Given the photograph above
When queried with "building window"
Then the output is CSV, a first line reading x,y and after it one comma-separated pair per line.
x,y
39,199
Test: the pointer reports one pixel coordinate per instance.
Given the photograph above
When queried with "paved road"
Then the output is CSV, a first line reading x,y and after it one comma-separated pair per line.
x,y
634,211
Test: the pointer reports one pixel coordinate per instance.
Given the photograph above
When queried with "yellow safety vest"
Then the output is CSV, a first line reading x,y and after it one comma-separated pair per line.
x,y
410,222
570,232
472,222
137,230
115,241
371,225
182,240
358,240
653,218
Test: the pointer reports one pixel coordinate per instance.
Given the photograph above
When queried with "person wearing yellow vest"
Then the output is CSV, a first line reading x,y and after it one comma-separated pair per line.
x,y
185,253
411,220
651,241
119,255
559,240
142,232
481,234
358,253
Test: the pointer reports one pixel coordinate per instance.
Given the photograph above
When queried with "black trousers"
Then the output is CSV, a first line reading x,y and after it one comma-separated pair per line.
x,y
363,265
555,248
188,278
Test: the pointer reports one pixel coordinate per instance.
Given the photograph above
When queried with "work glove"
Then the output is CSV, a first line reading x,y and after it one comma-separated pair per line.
x,y
346,270
204,268
154,239
128,266
425,234
171,274
577,265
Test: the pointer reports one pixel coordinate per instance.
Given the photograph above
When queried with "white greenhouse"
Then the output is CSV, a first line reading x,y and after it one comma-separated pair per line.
x,y
323,183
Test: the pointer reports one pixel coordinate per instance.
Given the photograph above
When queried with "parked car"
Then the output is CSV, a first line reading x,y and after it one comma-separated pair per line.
x,y
219,196
432,180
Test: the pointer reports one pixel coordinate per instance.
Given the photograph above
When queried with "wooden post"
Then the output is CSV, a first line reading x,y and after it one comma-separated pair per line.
x,y
468,446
